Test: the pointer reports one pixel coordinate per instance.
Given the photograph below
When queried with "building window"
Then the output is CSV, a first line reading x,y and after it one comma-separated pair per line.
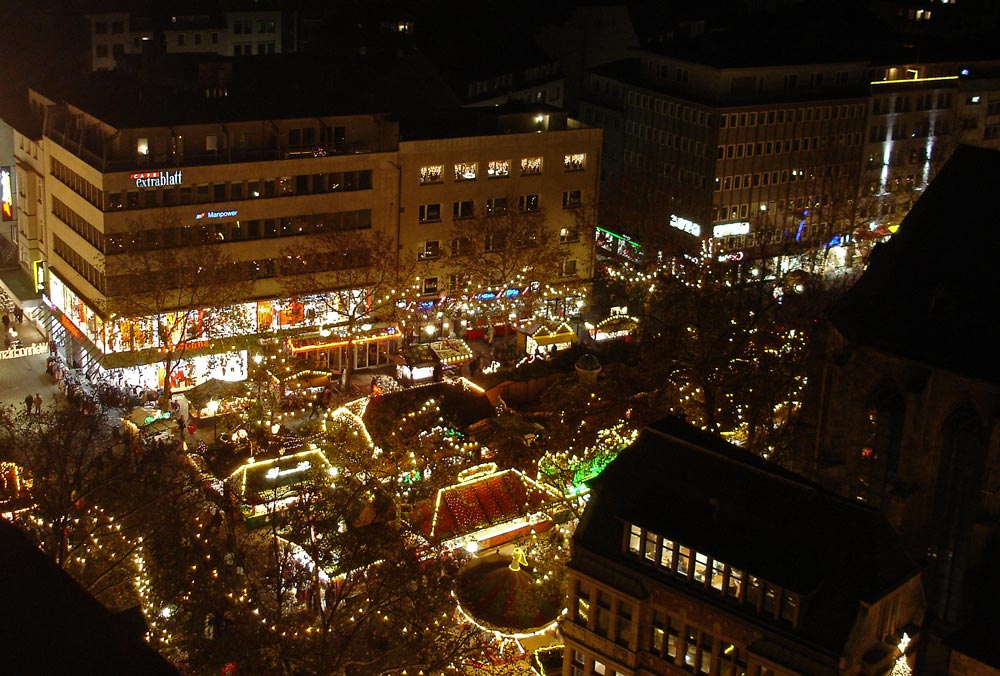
x,y
568,268
496,206
431,174
634,539
498,169
430,286
569,234
215,38
531,166
101,51
463,209
770,600
575,162
197,38
572,199
673,634
466,171
582,603
101,27
142,146
789,607
683,560
718,573
180,39
578,664
700,567
753,590
428,213
667,554
428,250
651,546
603,613
461,246
657,632
624,626
494,241
735,586
527,202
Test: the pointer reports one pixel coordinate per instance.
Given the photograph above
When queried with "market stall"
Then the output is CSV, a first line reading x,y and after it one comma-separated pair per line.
x,y
544,339
616,327
215,397
268,486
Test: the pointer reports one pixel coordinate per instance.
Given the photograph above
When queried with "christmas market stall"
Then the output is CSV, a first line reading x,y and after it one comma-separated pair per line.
x,y
451,353
266,487
618,326
15,490
544,339
150,423
487,508
216,397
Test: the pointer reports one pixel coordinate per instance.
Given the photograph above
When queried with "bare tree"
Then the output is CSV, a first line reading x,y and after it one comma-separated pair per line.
x,y
358,277
178,288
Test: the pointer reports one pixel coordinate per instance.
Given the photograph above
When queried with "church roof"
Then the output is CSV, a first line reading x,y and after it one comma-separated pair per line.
x,y
930,293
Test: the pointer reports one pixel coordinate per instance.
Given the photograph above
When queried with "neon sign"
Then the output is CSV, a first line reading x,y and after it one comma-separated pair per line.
x,y
157,179
683,224
216,214
6,195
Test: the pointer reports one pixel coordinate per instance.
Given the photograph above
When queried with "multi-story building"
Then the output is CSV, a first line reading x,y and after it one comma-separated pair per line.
x,y
780,155
745,155
694,556
245,32
542,167
257,188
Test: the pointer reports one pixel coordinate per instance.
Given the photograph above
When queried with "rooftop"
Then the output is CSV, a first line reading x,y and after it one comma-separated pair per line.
x,y
930,293
704,493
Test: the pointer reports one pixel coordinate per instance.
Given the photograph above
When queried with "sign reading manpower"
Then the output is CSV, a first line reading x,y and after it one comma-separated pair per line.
x,y
157,179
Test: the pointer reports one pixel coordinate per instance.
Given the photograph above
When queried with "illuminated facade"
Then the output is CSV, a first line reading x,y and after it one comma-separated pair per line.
x,y
256,190
693,556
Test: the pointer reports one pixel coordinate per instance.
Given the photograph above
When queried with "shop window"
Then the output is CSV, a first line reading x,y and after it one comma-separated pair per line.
x,y
429,249
463,209
466,171
496,206
575,162
429,213
431,174
498,169
531,166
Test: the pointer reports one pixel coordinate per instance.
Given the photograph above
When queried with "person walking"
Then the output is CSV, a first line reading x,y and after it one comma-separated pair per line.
x,y
29,401
38,403
19,314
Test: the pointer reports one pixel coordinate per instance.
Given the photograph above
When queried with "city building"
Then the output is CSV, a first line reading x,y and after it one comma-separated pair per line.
x,y
694,556
205,30
107,181
907,421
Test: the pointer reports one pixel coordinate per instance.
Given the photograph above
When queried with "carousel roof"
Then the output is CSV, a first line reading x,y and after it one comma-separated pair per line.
x,y
479,503
505,596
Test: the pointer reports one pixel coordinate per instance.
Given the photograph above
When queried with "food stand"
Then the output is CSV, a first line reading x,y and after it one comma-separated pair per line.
x,y
545,339
616,327
428,361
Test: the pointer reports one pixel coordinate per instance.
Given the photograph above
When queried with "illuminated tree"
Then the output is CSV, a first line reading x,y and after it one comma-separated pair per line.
x,y
179,289
358,277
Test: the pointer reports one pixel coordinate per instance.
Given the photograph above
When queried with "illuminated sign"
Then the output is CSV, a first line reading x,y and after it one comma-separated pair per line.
x,y
690,227
6,196
730,229
157,179
216,214
274,472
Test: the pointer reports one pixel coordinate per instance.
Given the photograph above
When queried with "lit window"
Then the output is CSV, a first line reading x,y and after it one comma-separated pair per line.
x,y
430,285
498,168
142,146
431,174
700,567
430,249
531,165
718,570
576,162
650,552
735,586
683,560
466,171
569,234
634,539
667,554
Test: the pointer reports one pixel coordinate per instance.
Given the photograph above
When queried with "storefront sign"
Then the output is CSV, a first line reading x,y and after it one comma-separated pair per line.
x,y
690,227
216,214
731,229
157,179
6,195
15,352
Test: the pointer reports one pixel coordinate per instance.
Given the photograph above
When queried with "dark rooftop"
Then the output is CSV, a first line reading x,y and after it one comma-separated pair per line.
x,y
50,625
930,293
702,492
